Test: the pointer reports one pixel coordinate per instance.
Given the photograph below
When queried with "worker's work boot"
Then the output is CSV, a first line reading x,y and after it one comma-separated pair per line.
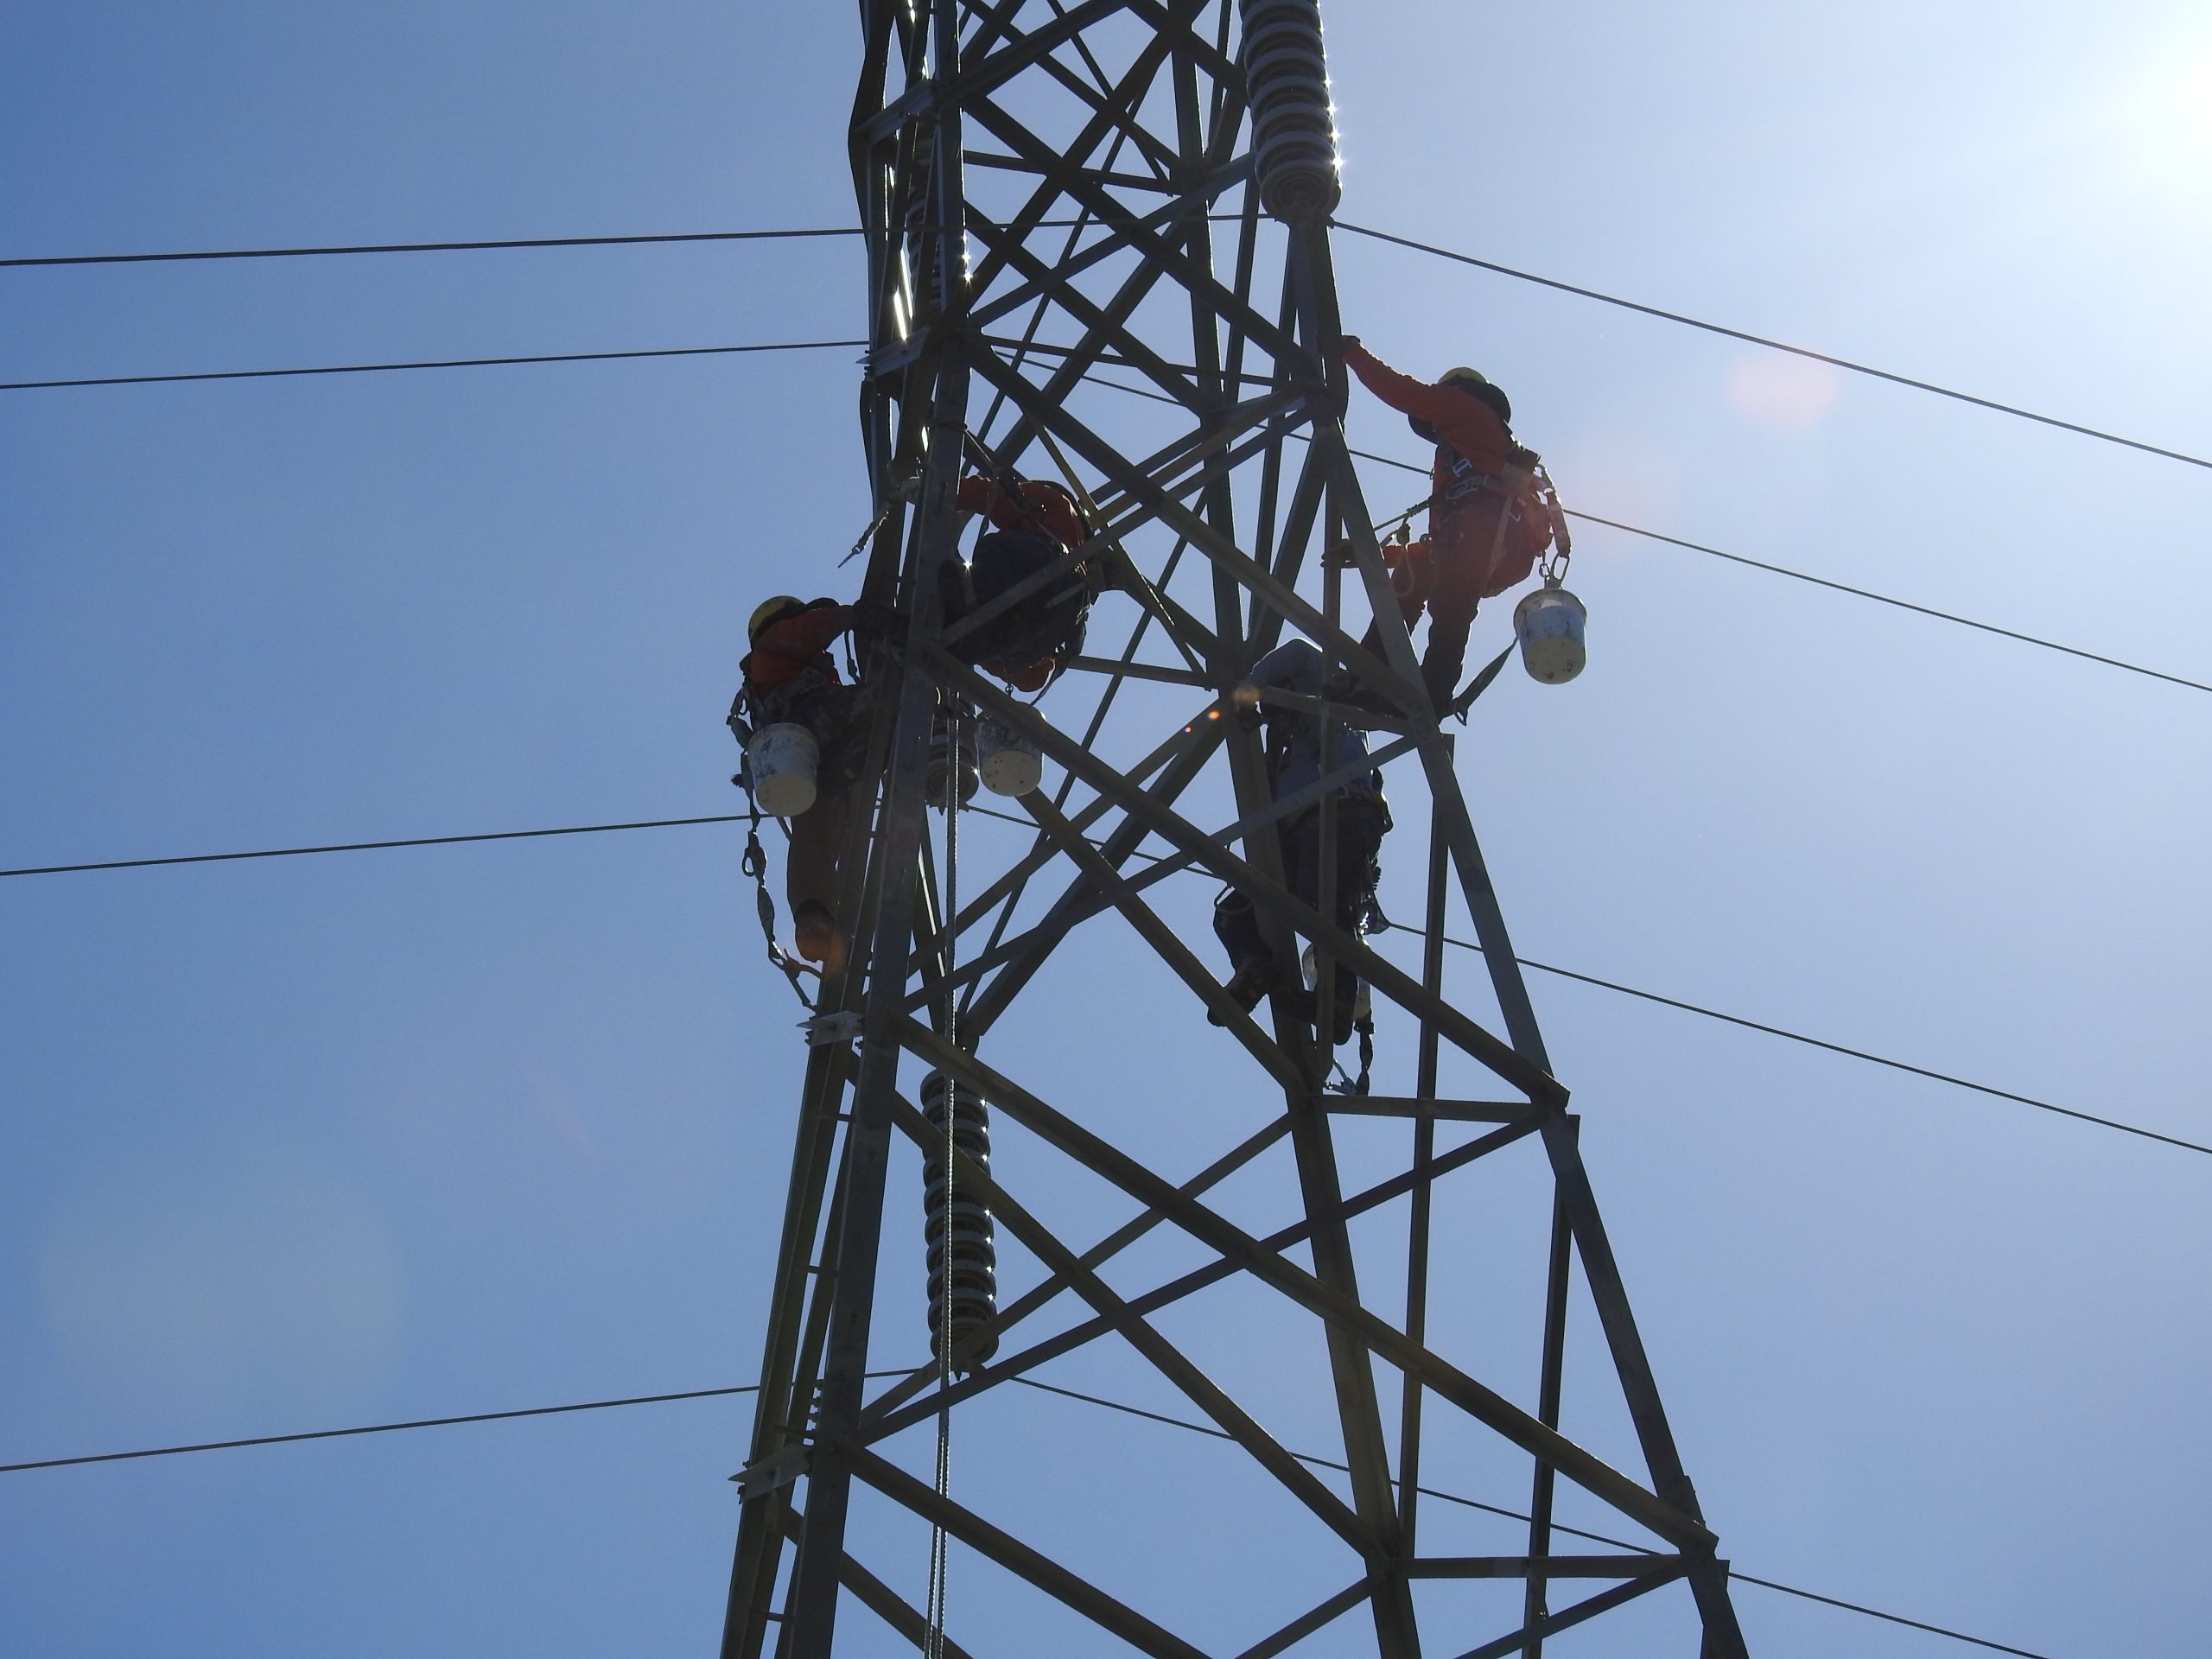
x,y
1253,978
815,933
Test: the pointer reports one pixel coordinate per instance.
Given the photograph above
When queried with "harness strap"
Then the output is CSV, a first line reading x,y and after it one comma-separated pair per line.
x,y
755,864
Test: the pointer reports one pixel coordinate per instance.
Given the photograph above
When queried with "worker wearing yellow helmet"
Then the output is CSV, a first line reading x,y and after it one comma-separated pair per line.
x,y
790,678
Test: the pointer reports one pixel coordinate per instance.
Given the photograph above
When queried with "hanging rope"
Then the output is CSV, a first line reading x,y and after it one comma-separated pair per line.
x,y
756,860
940,1544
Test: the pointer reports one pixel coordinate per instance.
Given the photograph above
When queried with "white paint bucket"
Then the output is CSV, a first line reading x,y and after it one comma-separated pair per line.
x,y
1011,763
782,759
1548,623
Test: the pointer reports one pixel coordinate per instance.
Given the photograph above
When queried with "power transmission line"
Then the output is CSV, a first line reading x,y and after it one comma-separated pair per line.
x,y
676,236
1046,1388
1760,564
428,247
2014,409
1833,1048
373,845
390,1428
376,1428
445,363
1990,1089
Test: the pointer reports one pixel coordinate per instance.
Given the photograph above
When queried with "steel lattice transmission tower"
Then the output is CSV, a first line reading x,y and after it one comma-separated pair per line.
x,y
1080,262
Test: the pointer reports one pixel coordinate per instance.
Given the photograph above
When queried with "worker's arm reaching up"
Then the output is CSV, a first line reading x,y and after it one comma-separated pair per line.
x,y
1455,416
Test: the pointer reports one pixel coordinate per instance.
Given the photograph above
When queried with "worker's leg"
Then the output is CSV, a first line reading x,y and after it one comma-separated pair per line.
x,y
812,870
1254,972
1451,619
1358,834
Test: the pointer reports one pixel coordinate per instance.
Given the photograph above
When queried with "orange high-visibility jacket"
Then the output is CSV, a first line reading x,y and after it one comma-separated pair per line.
x,y
788,648
1036,504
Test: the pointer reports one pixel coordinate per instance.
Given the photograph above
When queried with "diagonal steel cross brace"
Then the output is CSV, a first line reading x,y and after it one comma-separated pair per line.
x,y
1385,1341
880,1422
1386,978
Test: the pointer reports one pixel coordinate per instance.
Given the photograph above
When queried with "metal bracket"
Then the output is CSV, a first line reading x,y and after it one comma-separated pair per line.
x,y
828,1030
772,1474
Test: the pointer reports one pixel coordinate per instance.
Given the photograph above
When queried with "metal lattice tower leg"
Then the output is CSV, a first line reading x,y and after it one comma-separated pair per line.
x,y
1095,159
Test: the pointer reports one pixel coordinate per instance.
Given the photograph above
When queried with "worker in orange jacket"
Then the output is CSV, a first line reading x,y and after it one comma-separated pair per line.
x,y
789,674
1035,523
1487,521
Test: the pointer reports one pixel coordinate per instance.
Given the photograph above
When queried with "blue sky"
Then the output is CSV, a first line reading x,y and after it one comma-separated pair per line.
x,y
299,1143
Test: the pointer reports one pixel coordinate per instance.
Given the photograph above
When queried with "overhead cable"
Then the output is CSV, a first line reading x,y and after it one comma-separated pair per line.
x,y
1833,1048
1465,944
392,1428
373,846
1929,386
444,363
1047,1388
2014,410
430,247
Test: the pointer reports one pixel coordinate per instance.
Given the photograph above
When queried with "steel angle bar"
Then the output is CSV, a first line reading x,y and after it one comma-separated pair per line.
x,y
1105,325
1215,1230
1138,671
880,1598
1632,1364
1307,1623
993,20
1120,846
1459,830
1213,181
999,163
1106,1611
1058,168
799,1306
1097,1255
1558,1268
1385,977
1096,902
1420,1211
1558,1567
1162,1355
1120,111
1214,454
1078,903
1441,1111
1411,698
1180,743
1179,19
1166,944
1154,250
979,76
1329,452
1605,1601
1151,1301
1193,372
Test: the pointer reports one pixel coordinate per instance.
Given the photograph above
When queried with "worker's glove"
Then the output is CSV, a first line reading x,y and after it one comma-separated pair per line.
x,y
875,620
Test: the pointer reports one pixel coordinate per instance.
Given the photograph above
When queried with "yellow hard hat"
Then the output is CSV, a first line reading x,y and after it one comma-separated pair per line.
x,y
773,610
